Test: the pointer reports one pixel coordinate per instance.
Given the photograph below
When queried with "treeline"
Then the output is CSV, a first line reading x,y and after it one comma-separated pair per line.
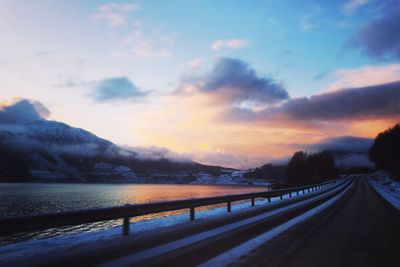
x,y
271,172
303,168
310,168
385,152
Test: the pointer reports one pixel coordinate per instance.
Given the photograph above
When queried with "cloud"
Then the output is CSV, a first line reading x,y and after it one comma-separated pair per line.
x,y
233,81
195,63
158,153
357,103
144,48
321,75
351,6
372,102
354,160
305,20
22,111
305,23
117,88
141,43
364,76
350,151
114,14
380,38
229,44
344,144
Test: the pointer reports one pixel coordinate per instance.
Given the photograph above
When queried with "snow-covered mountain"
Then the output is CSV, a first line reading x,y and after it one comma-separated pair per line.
x,y
45,150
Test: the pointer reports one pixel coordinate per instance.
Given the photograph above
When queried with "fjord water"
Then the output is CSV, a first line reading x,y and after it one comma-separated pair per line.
x,y
17,199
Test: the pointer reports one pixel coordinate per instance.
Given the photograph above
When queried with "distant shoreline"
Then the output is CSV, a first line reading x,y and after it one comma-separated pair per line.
x,y
127,183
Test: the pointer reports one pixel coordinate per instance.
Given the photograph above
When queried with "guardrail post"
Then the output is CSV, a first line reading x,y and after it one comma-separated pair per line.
x,y
229,208
290,194
192,213
281,196
269,199
125,226
252,202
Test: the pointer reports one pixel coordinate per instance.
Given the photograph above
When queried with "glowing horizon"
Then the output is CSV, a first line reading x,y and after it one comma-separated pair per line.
x,y
230,83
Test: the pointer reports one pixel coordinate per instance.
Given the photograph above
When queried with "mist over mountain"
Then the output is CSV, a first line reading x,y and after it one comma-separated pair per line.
x,y
33,148
349,151
44,150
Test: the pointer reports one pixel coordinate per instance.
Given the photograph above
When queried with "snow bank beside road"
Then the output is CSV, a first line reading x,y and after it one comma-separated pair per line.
x,y
388,188
22,251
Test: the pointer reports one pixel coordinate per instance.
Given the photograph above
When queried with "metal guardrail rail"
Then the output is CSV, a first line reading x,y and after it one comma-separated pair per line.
x,y
13,225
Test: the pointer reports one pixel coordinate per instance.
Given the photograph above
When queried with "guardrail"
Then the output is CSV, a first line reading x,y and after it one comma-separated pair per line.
x,y
13,225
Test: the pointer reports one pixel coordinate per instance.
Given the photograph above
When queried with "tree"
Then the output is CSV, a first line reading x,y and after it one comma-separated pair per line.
x,y
385,152
321,166
304,168
297,169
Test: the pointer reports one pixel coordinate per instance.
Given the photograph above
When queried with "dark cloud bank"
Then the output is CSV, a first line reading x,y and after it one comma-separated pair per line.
x,y
367,102
380,38
23,111
233,81
372,102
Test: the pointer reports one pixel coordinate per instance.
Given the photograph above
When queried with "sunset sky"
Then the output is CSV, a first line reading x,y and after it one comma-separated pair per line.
x,y
233,83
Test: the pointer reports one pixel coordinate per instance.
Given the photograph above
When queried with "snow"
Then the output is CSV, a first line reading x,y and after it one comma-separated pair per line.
x,y
36,248
228,177
388,188
224,179
26,249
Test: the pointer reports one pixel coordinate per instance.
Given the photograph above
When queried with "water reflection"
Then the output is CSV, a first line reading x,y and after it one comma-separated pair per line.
x,y
24,199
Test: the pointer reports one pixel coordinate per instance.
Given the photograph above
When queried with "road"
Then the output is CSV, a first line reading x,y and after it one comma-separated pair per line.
x,y
359,229
362,231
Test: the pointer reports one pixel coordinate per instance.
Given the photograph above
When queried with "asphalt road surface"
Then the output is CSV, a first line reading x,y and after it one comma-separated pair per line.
x,y
363,230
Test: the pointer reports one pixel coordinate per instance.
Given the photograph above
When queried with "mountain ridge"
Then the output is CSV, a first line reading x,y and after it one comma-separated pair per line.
x,y
52,151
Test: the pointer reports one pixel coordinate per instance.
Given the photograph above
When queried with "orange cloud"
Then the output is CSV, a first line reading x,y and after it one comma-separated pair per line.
x,y
207,123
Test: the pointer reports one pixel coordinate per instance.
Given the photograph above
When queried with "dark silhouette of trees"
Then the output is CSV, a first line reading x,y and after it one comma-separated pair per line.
x,y
310,168
385,152
297,169
269,172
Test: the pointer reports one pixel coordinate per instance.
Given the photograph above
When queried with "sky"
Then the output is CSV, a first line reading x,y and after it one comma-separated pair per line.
x,y
231,83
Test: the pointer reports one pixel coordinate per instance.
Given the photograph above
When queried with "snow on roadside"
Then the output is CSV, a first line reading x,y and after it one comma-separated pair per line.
x,y
388,188
23,250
